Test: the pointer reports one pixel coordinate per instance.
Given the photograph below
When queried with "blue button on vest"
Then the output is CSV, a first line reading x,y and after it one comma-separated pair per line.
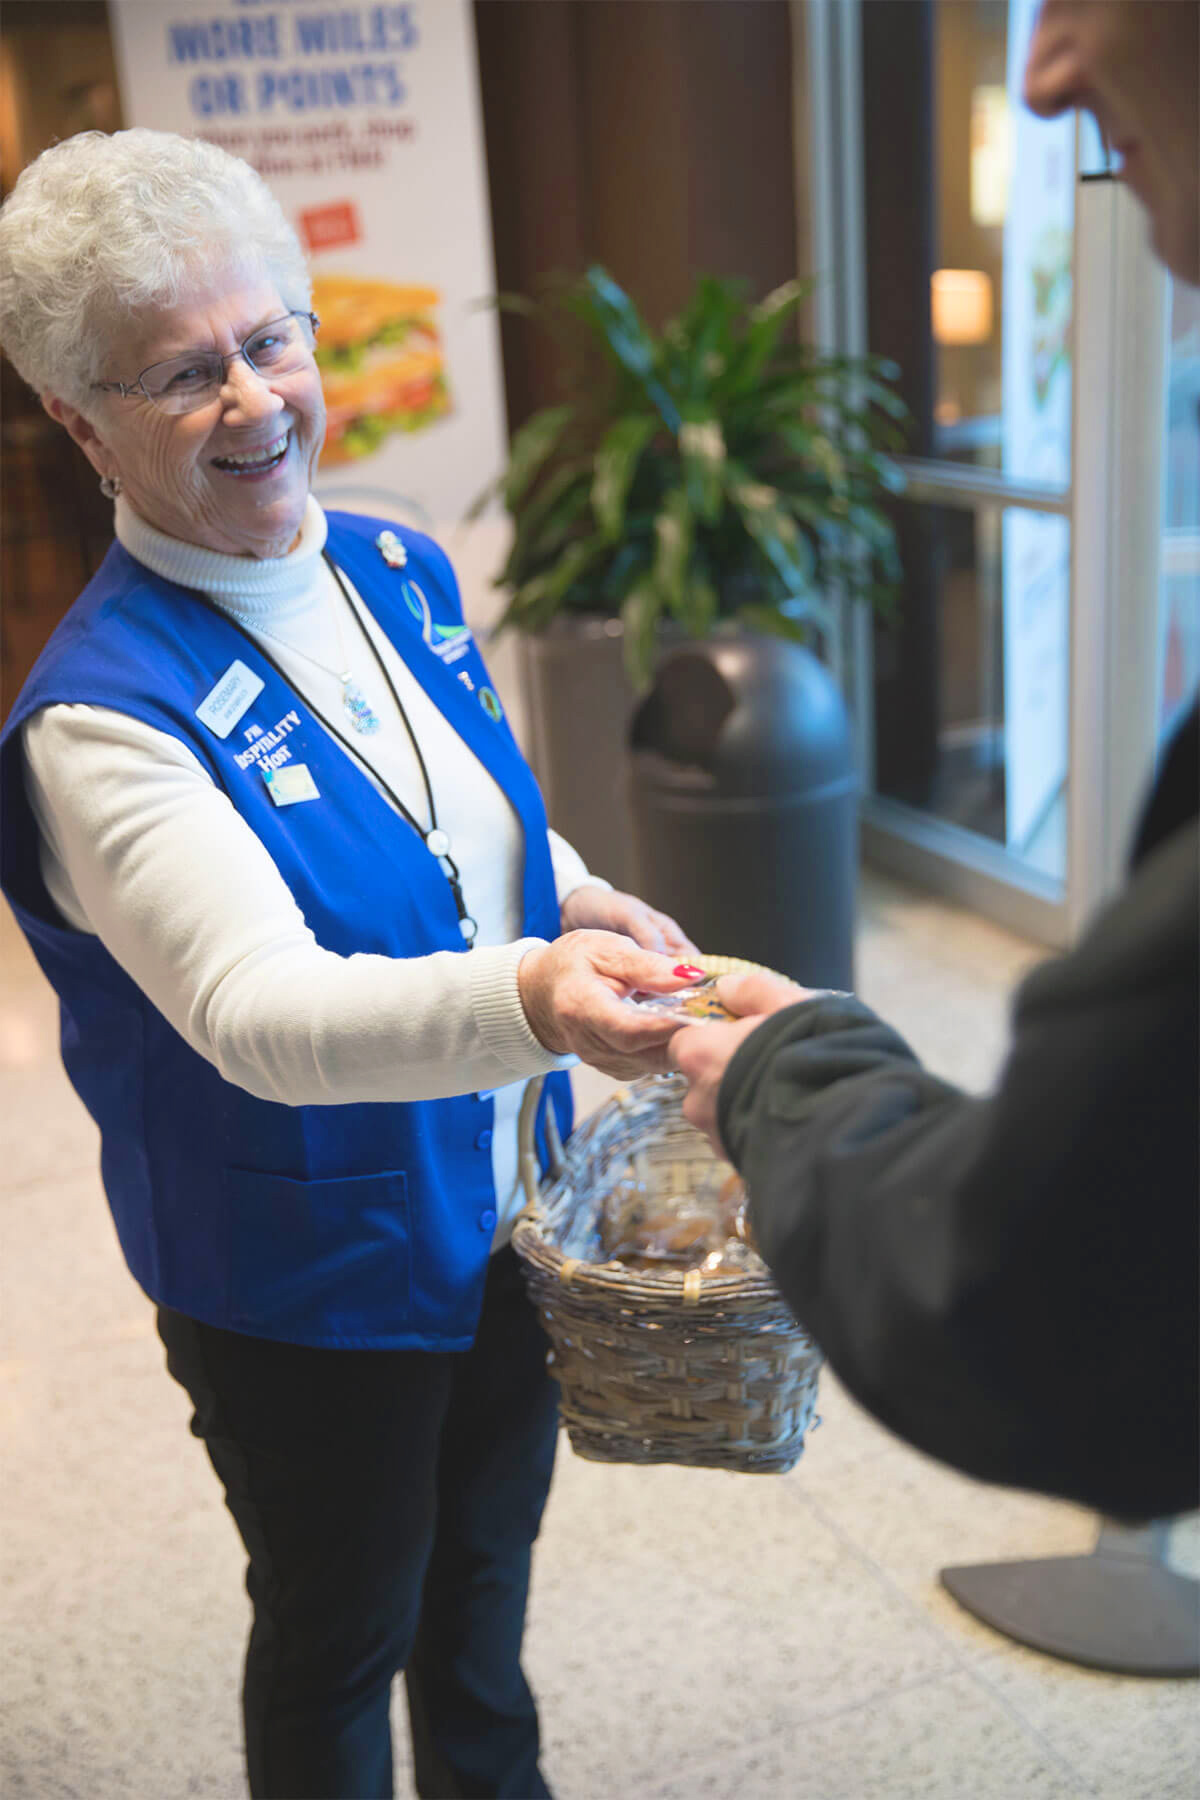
x,y
359,1225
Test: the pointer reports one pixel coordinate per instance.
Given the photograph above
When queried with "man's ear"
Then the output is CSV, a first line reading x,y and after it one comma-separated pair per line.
x,y
83,432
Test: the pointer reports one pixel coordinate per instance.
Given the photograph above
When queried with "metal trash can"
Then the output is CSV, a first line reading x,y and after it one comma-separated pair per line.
x,y
744,802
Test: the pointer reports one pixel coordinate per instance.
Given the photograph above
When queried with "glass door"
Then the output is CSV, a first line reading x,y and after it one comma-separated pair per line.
x,y
1004,717
1178,646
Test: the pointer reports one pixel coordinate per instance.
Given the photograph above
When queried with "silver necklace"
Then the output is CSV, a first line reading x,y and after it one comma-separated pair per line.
x,y
355,704
436,840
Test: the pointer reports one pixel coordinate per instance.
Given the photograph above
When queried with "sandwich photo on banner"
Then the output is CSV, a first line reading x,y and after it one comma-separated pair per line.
x,y
380,356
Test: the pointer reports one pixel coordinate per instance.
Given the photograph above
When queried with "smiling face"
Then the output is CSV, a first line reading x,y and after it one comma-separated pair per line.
x,y
233,475
1135,65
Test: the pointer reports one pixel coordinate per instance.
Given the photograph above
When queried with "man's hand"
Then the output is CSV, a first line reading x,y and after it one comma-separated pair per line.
x,y
573,992
704,1052
590,908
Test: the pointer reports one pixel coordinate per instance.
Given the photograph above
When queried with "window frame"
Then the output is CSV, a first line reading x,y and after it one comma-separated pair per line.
x,y
1113,503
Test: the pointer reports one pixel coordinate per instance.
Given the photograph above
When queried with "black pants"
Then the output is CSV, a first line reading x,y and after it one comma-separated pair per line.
x,y
388,1501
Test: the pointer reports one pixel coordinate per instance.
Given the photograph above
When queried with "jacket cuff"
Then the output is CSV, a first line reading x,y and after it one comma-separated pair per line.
x,y
817,1017
499,1015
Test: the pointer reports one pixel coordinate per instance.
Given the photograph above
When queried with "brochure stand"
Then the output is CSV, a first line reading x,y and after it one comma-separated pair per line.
x,y
1119,1608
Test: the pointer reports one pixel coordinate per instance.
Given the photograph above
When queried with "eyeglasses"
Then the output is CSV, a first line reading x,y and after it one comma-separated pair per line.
x,y
184,383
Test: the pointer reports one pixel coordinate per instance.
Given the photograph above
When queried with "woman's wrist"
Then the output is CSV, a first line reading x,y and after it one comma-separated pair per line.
x,y
499,1010
534,992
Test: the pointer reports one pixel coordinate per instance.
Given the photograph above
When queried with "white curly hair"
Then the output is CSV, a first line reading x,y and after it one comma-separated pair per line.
x,y
101,226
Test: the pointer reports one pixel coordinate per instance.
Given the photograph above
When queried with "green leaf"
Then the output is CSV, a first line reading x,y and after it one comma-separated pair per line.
x,y
782,300
620,322
768,320
773,530
616,461
702,453
852,386
769,403
701,604
709,339
886,473
627,567
537,601
640,613
530,447
871,473
673,549
757,616
824,454
568,521
518,304
568,488
628,339
814,511
877,530
482,497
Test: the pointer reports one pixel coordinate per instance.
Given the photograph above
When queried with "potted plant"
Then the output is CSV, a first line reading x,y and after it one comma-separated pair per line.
x,y
715,475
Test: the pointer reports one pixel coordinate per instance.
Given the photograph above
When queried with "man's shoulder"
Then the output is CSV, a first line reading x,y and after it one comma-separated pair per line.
x,y
1146,939
1175,795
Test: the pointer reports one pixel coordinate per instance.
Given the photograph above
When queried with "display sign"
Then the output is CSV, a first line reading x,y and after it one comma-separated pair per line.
x,y
1036,447
365,121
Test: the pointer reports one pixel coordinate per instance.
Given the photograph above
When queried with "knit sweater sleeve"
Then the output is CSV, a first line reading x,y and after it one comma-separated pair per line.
x,y
140,847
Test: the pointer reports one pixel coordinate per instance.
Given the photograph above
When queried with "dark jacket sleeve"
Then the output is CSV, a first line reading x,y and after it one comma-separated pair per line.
x,y
1009,1283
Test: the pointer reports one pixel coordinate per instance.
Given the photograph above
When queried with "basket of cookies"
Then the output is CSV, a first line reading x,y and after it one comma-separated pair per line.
x,y
669,1339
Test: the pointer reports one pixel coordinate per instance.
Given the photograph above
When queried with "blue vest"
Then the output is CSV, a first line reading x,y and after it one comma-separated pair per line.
x,y
362,1226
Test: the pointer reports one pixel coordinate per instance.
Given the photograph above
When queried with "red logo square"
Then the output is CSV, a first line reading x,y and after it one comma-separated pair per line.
x,y
329,227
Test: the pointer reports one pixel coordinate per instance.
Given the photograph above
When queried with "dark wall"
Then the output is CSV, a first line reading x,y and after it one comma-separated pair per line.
x,y
55,525
654,136
901,234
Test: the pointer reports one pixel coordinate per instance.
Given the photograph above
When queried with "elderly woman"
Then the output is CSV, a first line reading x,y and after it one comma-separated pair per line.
x,y
274,845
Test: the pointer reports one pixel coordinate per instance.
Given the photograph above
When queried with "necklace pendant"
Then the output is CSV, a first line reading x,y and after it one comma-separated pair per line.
x,y
358,707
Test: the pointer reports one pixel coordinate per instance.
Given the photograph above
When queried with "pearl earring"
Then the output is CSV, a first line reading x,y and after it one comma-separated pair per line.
x,y
110,486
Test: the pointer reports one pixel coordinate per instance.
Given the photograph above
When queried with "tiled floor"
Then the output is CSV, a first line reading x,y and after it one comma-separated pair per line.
x,y
692,1634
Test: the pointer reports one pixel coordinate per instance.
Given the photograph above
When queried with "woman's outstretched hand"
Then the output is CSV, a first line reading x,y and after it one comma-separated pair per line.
x,y
574,994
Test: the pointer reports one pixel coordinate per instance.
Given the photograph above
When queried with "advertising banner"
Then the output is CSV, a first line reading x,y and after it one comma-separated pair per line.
x,y
1037,447
365,121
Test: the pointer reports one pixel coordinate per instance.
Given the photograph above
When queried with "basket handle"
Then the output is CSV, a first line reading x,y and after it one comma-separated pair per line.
x,y
527,1144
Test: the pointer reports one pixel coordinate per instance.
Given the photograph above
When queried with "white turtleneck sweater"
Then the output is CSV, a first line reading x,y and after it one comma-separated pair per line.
x,y
141,848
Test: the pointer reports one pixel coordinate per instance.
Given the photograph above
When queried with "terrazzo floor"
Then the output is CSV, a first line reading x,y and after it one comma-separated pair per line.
x,y
691,1634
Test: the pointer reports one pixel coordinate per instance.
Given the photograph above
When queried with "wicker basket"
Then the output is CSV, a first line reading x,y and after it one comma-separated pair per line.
x,y
710,1370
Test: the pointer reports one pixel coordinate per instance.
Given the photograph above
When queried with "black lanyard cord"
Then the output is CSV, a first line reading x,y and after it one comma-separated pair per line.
x,y
412,736
449,867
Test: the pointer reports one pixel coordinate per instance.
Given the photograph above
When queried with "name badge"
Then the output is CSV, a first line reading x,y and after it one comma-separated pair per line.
x,y
290,783
235,691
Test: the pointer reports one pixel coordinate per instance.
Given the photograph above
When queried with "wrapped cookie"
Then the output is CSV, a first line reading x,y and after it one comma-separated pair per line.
x,y
693,1006
682,1217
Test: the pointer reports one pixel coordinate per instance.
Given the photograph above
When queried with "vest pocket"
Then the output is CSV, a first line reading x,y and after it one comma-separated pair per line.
x,y
319,1260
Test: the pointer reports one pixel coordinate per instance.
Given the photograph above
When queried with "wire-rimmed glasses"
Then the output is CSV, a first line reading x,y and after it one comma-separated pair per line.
x,y
184,383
